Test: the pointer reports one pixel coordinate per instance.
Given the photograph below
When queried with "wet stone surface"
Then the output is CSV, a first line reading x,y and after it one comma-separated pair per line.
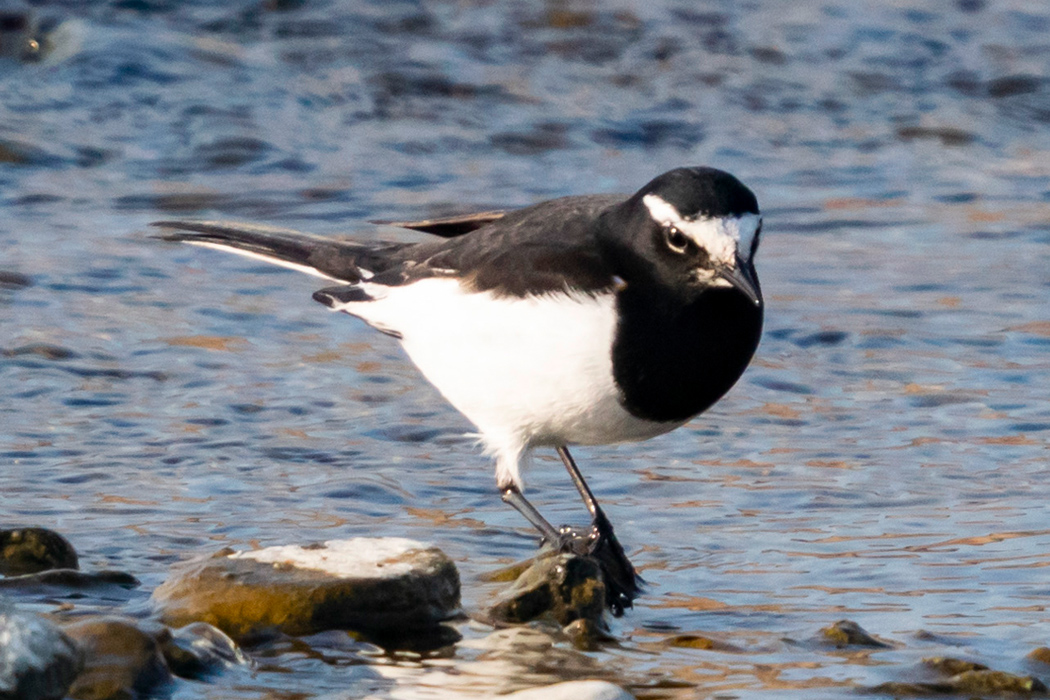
x,y
200,651
121,659
964,678
846,633
34,549
37,660
561,588
388,586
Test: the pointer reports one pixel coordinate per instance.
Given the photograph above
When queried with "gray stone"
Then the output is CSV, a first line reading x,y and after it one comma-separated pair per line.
x,y
37,661
389,586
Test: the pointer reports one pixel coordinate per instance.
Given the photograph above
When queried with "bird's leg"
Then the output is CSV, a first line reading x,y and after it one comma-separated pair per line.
x,y
513,496
622,583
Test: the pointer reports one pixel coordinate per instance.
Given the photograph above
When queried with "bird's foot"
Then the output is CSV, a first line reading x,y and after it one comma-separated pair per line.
x,y
622,583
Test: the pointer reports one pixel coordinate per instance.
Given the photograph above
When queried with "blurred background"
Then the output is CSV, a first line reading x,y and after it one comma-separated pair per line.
x,y
884,459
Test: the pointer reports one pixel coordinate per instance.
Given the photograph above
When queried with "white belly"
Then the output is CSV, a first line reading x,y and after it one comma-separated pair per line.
x,y
526,372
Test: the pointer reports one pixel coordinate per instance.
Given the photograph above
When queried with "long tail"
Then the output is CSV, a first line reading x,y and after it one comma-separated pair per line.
x,y
315,255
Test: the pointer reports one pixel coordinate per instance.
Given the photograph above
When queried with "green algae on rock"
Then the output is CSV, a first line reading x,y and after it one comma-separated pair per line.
x,y
389,586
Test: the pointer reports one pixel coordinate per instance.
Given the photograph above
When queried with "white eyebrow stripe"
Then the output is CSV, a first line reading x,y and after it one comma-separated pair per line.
x,y
721,237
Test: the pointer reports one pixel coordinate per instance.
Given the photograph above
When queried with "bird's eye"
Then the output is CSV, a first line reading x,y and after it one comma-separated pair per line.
x,y
676,240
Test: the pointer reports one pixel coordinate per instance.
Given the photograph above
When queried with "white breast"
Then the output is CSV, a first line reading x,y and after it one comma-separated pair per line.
x,y
526,371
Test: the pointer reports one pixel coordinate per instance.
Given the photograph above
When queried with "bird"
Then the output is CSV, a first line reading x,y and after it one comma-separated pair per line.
x,y
582,320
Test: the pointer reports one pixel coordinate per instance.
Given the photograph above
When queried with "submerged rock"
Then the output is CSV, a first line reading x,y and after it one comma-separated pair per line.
x,y
557,587
846,633
71,584
37,661
965,678
948,666
200,651
121,660
388,586
30,550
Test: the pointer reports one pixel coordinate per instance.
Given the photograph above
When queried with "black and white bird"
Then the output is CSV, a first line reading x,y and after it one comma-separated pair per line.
x,y
583,320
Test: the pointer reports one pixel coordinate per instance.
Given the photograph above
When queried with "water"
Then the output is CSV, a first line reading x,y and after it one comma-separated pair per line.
x,y
884,459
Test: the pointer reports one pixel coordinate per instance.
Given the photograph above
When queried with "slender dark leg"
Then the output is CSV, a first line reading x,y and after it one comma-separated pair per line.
x,y
581,485
513,496
622,582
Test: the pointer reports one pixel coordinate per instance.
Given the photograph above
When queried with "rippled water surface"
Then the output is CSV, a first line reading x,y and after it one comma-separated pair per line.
x,y
885,458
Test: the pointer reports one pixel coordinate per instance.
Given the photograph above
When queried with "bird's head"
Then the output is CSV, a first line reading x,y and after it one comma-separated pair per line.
x,y
689,230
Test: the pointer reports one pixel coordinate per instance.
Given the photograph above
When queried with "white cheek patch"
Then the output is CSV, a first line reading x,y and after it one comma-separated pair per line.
x,y
722,237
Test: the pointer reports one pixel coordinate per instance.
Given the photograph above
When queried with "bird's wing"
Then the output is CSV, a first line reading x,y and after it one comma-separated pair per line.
x,y
331,258
547,247
449,227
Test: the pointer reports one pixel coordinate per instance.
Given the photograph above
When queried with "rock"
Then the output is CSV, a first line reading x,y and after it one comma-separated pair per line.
x,y
587,635
1040,654
947,666
121,660
573,690
37,661
30,550
199,651
969,683
67,583
559,587
848,633
388,586
987,681
965,678
697,641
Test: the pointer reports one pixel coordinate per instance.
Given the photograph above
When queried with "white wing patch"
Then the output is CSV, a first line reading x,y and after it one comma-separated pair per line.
x,y
722,237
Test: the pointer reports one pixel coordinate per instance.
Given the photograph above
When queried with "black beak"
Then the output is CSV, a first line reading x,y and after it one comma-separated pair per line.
x,y
742,277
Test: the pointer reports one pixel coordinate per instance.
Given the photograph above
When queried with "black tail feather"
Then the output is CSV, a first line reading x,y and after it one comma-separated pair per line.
x,y
336,259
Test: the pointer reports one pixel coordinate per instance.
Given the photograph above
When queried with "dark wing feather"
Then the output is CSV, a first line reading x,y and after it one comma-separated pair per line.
x,y
448,227
548,247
